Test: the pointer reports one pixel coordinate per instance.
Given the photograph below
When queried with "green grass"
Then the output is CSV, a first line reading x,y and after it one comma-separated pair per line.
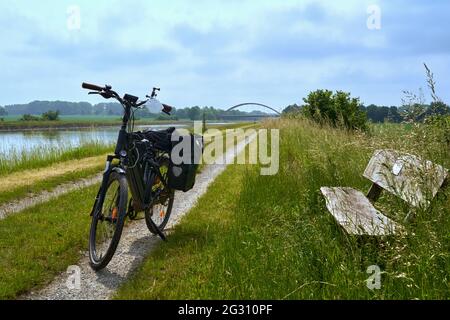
x,y
257,237
271,237
48,184
46,156
41,242
77,121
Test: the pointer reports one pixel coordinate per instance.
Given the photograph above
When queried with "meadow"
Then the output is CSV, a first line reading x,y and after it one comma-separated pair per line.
x,y
46,156
13,123
257,237
271,237
41,241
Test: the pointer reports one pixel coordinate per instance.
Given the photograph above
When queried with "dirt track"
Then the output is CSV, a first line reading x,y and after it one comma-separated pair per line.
x,y
135,244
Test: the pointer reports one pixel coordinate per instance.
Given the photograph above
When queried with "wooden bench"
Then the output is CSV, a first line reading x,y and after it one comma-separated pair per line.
x,y
411,178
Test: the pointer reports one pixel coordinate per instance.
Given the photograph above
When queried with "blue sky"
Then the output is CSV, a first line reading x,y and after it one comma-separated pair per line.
x,y
221,53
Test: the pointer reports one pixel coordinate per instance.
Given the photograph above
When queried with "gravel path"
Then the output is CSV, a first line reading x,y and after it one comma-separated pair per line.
x,y
134,245
22,204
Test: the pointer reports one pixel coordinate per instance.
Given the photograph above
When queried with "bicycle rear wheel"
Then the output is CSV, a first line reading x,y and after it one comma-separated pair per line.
x,y
107,222
160,212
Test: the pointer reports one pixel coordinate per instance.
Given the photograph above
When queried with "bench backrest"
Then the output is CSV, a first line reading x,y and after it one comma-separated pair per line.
x,y
411,178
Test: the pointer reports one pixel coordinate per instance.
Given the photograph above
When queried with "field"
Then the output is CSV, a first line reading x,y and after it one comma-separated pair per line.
x,y
14,123
249,236
257,237
58,228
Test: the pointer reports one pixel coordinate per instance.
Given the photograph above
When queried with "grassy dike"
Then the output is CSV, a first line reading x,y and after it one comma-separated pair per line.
x,y
45,157
40,242
271,237
49,183
24,177
31,173
76,122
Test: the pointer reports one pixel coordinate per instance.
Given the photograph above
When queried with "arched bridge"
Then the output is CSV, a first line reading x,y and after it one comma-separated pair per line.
x,y
276,115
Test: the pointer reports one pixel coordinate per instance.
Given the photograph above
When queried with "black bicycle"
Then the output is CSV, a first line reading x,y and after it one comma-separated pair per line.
x,y
141,163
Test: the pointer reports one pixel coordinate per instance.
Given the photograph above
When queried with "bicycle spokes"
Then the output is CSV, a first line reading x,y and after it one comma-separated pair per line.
x,y
107,222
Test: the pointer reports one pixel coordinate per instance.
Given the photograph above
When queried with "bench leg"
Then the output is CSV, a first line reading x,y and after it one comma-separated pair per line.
x,y
374,193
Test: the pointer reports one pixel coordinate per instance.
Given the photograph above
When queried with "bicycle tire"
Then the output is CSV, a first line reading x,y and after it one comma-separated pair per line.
x,y
161,224
98,263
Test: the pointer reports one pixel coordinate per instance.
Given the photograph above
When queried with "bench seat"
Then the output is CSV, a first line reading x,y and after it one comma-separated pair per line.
x,y
356,214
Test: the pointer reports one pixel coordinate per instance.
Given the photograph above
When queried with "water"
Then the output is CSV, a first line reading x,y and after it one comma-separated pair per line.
x,y
27,141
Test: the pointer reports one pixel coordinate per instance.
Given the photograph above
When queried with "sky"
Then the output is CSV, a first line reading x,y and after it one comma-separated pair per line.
x,y
222,53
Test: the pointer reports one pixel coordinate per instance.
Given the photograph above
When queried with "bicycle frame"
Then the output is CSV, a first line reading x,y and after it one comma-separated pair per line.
x,y
140,186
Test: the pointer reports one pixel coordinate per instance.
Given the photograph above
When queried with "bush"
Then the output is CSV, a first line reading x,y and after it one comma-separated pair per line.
x,y
340,109
50,116
292,109
165,117
29,117
438,129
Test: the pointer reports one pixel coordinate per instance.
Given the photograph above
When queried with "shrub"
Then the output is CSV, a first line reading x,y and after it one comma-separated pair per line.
x,y
438,126
50,116
292,109
164,117
29,117
340,109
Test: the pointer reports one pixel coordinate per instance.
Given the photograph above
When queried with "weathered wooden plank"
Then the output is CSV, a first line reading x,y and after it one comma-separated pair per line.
x,y
409,177
354,212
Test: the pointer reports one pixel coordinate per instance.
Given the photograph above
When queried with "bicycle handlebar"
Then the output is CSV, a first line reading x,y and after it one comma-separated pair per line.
x,y
89,86
167,109
107,93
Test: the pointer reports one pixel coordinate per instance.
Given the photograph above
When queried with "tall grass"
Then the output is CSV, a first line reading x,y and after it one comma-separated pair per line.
x,y
44,156
309,247
271,237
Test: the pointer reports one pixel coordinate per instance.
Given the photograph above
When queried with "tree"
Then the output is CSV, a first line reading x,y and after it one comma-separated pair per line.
x,y
51,115
339,109
394,116
144,113
29,117
439,108
194,113
293,108
320,106
377,114
3,112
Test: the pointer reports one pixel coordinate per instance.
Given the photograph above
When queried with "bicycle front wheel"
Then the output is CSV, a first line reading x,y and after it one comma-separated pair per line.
x,y
107,222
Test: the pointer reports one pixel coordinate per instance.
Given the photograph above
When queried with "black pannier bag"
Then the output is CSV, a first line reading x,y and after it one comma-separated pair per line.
x,y
182,175
161,140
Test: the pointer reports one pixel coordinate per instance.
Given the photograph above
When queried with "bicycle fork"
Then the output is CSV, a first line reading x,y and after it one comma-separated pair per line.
x,y
102,191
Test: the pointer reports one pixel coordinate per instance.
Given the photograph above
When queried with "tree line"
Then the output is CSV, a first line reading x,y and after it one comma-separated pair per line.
x,y
416,112
115,109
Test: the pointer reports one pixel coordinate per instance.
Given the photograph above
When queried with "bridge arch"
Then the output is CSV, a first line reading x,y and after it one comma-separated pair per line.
x,y
255,104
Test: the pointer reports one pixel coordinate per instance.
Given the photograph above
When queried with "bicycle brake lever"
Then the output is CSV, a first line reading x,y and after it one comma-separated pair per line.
x,y
105,95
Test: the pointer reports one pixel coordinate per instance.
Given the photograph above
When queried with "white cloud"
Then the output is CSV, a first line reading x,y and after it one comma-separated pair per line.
x,y
221,52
